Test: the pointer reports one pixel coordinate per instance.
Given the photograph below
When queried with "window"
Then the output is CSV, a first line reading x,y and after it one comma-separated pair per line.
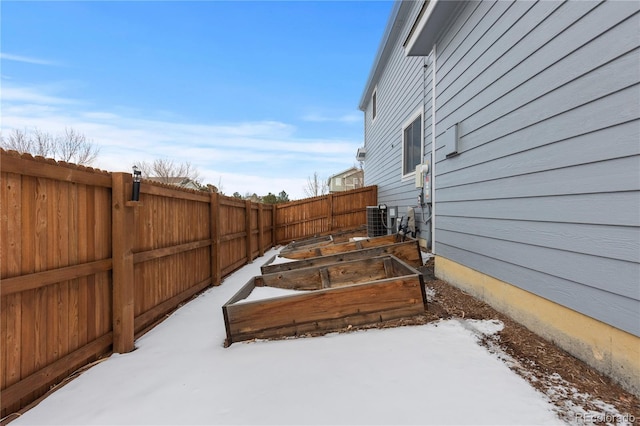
x,y
412,145
374,104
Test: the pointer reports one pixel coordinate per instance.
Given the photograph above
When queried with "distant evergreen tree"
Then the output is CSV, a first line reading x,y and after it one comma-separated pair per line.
x,y
270,199
283,197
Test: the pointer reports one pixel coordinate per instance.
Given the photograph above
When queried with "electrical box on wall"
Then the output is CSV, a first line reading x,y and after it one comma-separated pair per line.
x,y
451,141
423,181
421,171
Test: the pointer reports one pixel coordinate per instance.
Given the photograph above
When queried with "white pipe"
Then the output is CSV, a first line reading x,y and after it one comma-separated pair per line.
x,y
433,152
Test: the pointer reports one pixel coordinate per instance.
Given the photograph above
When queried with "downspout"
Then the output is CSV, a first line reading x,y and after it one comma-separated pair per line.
x,y
426,221
433,151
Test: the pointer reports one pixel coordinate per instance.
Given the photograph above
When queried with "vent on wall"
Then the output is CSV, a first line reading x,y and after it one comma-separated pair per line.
x,y
451,141
362,152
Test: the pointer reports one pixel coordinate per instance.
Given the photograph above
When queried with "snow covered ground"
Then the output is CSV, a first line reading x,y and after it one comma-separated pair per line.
x,y
180,373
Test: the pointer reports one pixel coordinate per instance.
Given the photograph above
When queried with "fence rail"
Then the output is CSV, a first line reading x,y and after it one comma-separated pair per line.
x,y
84,270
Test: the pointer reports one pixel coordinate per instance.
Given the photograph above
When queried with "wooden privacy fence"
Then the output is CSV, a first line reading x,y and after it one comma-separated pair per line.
x,y
324,214
84,270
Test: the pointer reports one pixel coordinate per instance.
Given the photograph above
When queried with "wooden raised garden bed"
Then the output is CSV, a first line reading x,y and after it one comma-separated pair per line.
x,y
407,251
333,248
332,238
330,297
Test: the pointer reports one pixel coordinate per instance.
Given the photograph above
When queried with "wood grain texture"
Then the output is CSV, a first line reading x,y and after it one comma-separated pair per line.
x,y
169,251
12,394
29,166
408,251
316,251
123,272
328,275
325,310
350,292
319,215
143,321
53,276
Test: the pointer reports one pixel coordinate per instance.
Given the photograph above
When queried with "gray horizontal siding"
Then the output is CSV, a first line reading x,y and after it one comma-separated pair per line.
x,y
618,109
404,87
545,191
589,301
613,242
512,57
578,69
594,271
484,30
616,209
490,122
512,157
616,175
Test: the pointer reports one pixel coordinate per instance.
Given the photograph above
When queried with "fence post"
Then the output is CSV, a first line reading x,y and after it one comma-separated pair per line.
x,y
216,272
274,225
122,224
330,207
260,231
247,225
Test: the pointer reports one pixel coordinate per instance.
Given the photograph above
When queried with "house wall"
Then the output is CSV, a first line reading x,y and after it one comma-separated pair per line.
x,y
545,189
404,88
544,193
542,198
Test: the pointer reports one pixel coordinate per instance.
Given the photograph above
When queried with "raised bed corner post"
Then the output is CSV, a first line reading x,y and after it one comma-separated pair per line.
x,y
122,227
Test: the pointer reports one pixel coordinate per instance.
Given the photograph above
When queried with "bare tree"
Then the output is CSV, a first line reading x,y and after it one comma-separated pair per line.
x,y
220,187
315,186
167,171
17,140
71,146
74,147
35,142
43,143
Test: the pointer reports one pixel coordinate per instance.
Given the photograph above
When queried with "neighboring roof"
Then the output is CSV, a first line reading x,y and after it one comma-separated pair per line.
x,y
179,181
171,180
349,171
430,22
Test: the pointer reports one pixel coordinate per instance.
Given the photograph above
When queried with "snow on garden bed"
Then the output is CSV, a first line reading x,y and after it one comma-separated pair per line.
x,y
261,293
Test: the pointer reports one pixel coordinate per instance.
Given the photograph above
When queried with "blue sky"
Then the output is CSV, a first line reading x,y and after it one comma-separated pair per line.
x,y
256,95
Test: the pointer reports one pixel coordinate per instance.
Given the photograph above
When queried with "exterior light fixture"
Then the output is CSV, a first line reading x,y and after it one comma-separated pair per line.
x,y
137,174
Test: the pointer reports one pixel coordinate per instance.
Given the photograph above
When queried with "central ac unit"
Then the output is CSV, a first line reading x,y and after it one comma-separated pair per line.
x,y
381,220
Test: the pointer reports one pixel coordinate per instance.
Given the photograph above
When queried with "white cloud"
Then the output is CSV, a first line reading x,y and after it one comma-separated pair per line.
x,y
26,59
345,118
31,96
249,156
